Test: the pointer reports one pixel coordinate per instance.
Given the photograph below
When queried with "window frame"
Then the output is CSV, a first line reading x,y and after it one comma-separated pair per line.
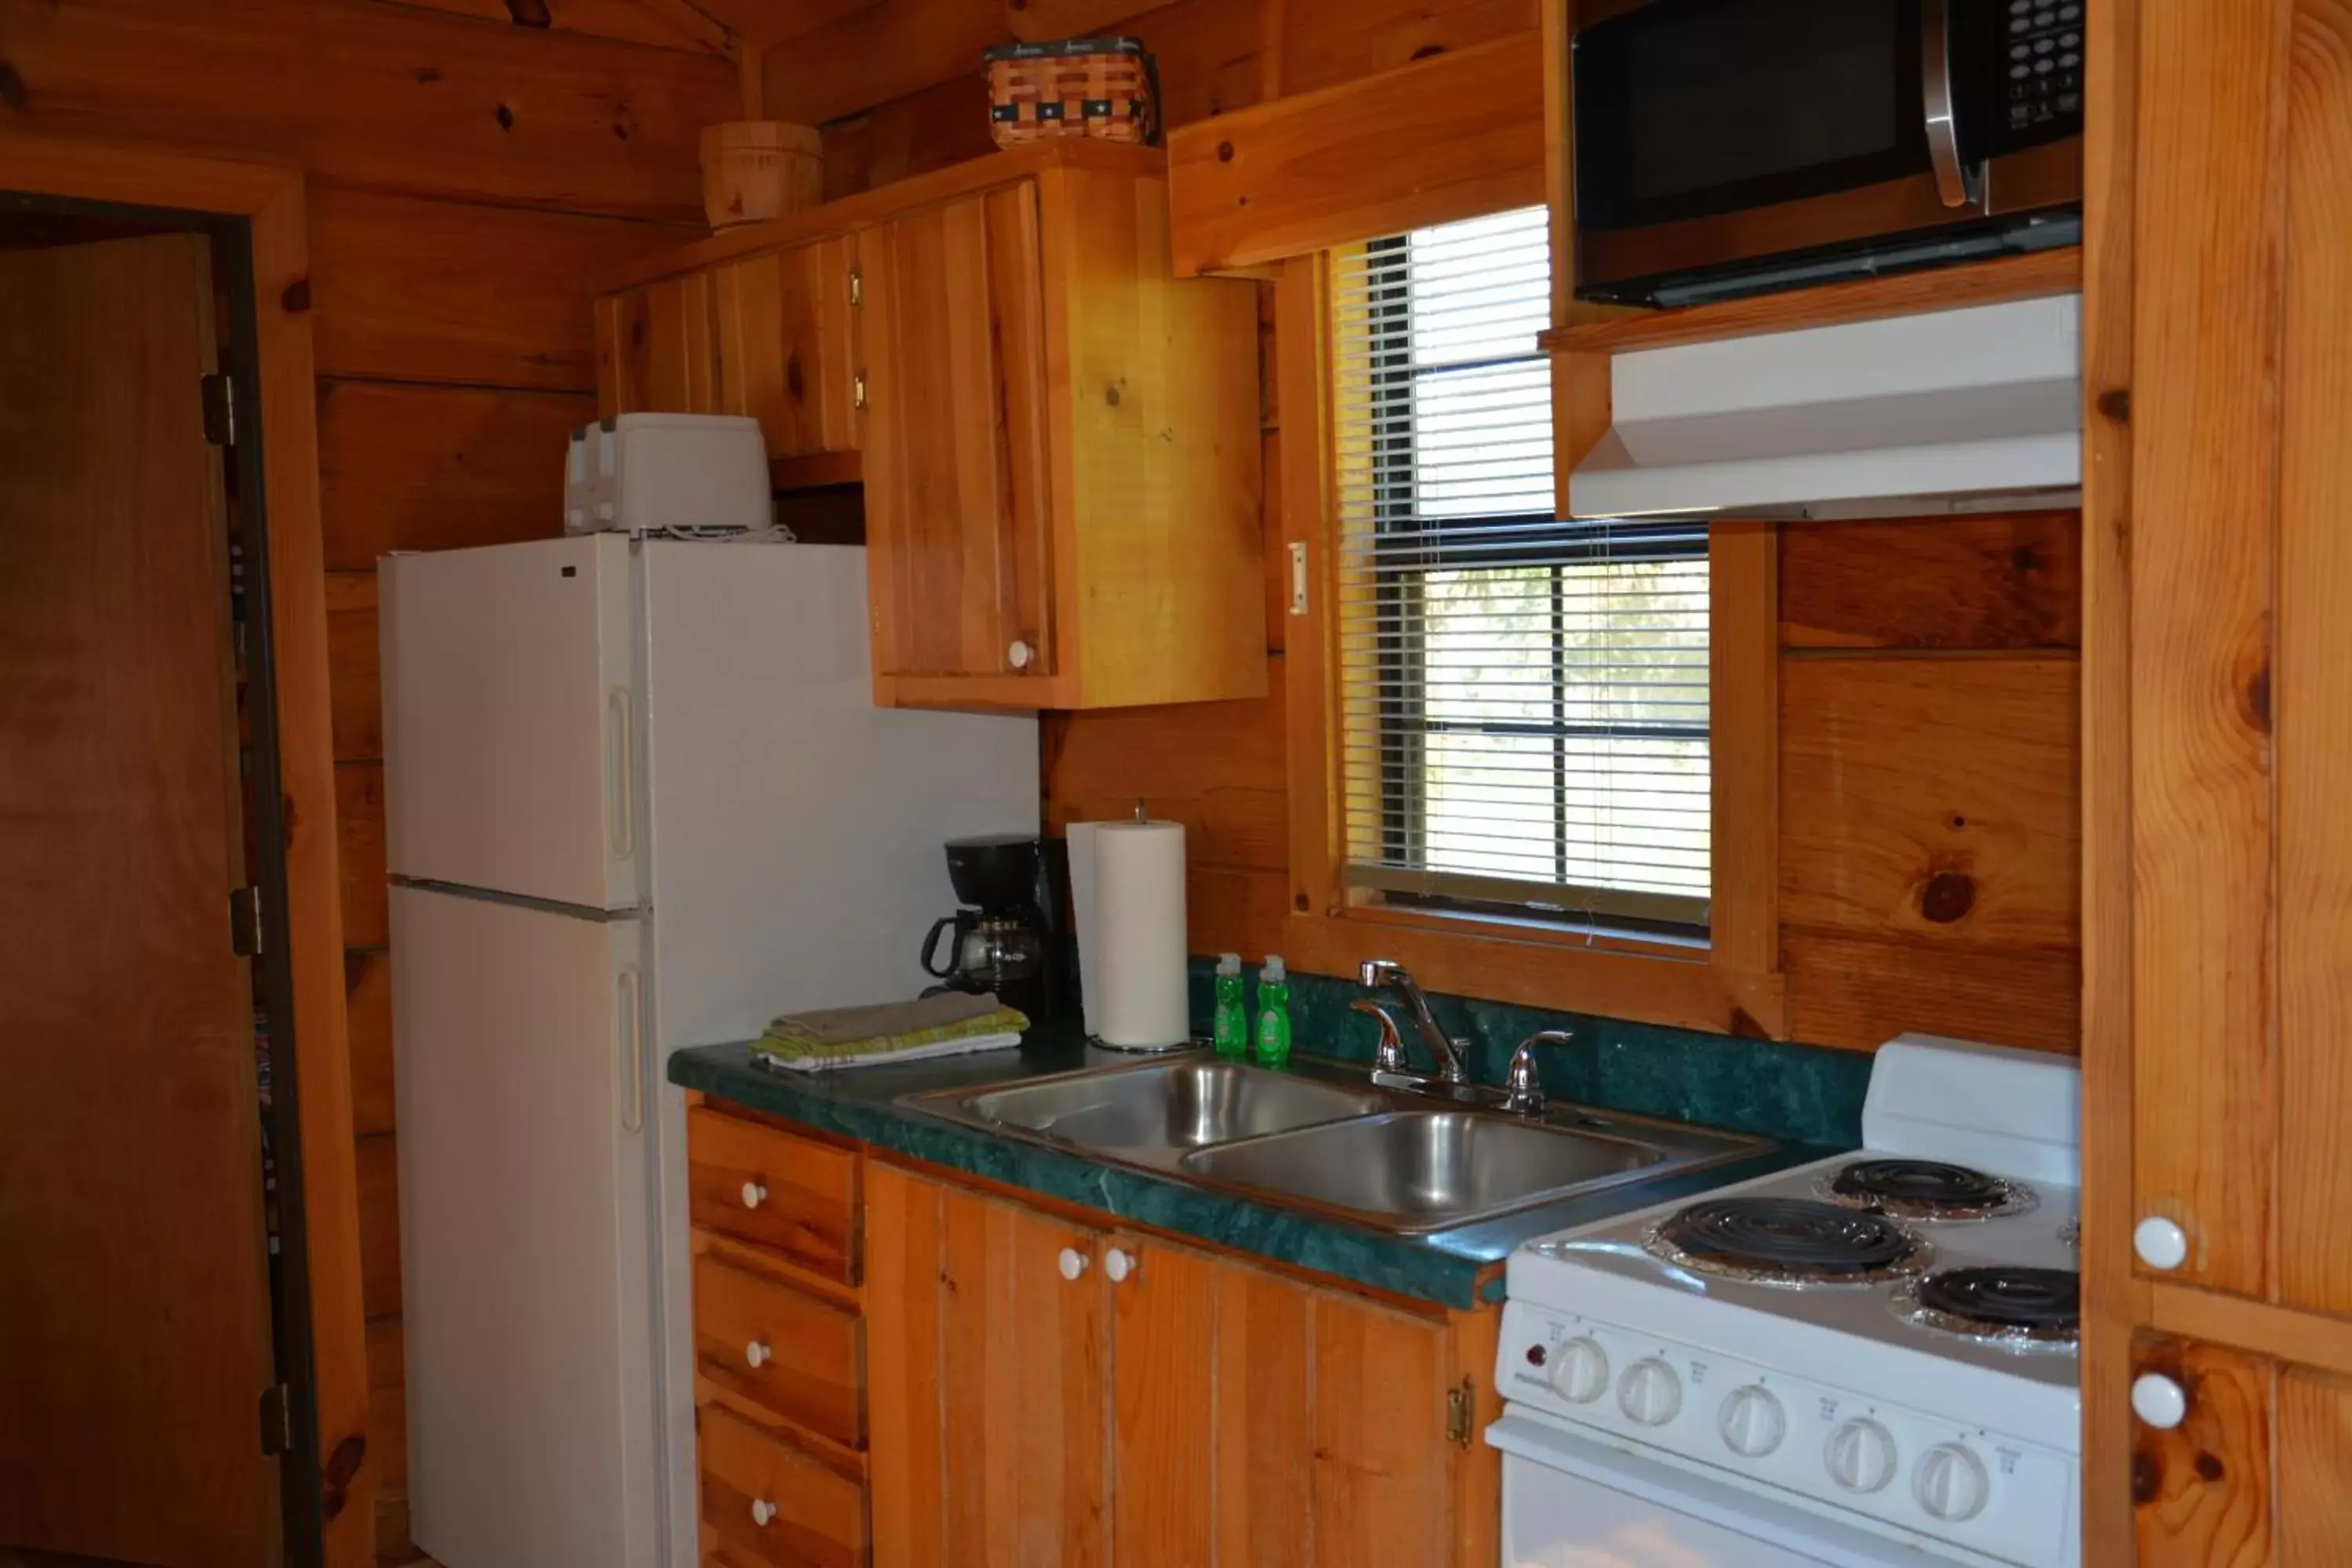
x,y
1727,981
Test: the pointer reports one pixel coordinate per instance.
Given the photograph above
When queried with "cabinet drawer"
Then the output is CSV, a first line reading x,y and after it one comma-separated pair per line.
x,y
765,1502
811,1356
796,1198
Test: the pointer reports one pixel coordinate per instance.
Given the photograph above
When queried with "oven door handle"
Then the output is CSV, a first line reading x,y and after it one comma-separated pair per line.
x,y
1955,183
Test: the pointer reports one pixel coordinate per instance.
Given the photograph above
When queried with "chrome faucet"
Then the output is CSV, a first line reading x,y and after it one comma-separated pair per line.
x,y
1448,1054
1524,1094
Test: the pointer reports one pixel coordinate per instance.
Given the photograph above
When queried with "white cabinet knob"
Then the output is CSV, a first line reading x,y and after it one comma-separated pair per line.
x,y
763,1511
2160,1243
1074,1263
1118,1265
1019,654
1650,1393
2159,1401
758,1355
1861,1455
1752,1423
1951,1483
754,1194
1580,1370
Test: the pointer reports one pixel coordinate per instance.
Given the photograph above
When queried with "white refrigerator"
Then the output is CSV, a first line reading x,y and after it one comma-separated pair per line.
x,y
637,798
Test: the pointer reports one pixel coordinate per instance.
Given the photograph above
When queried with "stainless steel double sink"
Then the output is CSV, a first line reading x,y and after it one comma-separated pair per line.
x,y
1318,1135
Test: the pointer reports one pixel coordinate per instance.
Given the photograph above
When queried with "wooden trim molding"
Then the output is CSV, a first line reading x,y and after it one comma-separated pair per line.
x,y
1450,137
2304,1337
271,201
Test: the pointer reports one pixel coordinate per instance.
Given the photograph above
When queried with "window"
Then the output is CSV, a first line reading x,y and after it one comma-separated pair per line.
x,y
1523,702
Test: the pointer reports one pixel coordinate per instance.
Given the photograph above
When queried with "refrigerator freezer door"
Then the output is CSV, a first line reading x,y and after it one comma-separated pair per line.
x,y
511,716
524,1089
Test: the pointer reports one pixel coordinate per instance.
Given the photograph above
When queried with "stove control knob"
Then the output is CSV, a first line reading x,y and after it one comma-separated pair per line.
x,y
1580,1370
1950,1483
1752,1422
1861,1455
1650,1393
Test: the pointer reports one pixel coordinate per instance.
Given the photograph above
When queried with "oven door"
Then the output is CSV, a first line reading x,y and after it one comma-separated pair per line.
x,y
1713,132
1570,1501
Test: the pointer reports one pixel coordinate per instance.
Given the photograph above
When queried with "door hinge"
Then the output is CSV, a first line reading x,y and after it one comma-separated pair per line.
x,y
245,922
858,391
1459,1401
220,410
277,1421
857,287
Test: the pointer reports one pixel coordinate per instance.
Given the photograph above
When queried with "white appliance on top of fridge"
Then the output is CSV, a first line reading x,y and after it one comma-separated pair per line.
x,y
637,797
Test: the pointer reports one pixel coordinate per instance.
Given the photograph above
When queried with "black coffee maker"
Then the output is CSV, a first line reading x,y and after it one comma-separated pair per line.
x,y
1007,941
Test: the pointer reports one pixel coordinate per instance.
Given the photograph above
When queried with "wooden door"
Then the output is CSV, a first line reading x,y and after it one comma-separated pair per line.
x,y
957,513
786,347
135,1309
1257,1419
657,349
987,1377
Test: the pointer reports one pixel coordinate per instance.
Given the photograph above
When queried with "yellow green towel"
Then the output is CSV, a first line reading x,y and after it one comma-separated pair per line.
x,y
845,1034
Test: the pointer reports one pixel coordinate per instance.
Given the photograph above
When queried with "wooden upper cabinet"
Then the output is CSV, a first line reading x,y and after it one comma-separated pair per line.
x,y
957,511
1059,440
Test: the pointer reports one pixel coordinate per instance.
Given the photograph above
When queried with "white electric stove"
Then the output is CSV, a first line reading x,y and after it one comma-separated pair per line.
x,y
1869,1359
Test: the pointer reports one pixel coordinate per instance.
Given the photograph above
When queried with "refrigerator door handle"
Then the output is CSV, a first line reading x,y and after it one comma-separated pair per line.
x,y
629,1004
621,746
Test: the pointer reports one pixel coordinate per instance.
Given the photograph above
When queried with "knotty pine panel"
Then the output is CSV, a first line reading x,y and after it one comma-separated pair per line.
x,y
379,1171
2008,581
359,837
367,1001
1931,798
354,672
2202,1491
626,21
388,1401
436,467
1860,992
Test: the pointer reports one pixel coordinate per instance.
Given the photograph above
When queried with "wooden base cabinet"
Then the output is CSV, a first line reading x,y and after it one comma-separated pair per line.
x,y
1043,1392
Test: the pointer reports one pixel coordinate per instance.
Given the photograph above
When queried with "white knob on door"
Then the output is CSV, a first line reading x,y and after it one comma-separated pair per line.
x,y
754,1194
763,1511
1019,654
2159,1401
2160,1243
758,1355
1118,1265
1074,1263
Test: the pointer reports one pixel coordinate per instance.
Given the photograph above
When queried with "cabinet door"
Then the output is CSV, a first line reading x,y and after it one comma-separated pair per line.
x,y
657,349
786,352
1258,1420
987,1382
957,510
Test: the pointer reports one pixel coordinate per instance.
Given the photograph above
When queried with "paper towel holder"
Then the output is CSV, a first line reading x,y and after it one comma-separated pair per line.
x,y
1190,1043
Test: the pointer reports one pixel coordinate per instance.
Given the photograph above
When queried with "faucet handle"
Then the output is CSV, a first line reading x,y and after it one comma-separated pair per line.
x,y
1523,1089
1389,1057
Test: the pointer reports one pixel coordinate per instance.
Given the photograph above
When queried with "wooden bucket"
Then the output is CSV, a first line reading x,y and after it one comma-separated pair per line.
x,y
755,169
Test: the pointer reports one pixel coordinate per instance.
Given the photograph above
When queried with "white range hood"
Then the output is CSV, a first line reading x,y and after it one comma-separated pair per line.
x,y
1966,410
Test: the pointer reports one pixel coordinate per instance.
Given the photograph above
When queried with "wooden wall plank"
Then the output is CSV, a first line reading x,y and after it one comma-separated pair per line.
x,y
406,289
2008,581
1321,42
1932,798
379,1167
410,467
354,678
2204,491
1217,767
1450,137
396,98
1859,991
388,1403
663,25
892,48
367,1001
359,824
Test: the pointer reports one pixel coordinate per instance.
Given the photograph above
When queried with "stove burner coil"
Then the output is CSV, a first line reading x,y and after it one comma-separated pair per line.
x,y
1927,1190
1788,1241
2016,1308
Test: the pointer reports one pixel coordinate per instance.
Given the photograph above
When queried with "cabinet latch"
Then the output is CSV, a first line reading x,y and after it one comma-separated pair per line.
x,y
277,1421
219,402
1459,1402
245,921
858,391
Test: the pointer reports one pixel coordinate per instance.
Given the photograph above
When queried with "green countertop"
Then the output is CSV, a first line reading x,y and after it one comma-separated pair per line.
x,y
1456,1268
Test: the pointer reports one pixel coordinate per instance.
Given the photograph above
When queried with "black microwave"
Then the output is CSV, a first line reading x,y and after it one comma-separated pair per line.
x,y
1730,147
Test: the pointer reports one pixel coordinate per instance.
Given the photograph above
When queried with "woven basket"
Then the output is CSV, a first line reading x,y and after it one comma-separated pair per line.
x,y
1104,88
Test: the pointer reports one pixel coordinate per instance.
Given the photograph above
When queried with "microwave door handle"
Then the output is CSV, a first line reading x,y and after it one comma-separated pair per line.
x,y
1954,183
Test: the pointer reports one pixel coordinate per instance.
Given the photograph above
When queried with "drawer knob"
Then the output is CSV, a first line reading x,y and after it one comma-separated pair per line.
x,y
758,1355
1118,1265
1019,654
2160,1243
763,1511
1074,1263
2159,1401
754,1194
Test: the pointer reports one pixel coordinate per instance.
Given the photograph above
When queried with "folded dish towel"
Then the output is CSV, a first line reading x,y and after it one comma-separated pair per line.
x,y
945,1024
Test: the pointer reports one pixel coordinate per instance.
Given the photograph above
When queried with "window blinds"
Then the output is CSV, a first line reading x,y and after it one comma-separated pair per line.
x,y
1523,701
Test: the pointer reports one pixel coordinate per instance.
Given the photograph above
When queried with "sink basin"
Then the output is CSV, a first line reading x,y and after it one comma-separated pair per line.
x,y
1171,1107
1425,1170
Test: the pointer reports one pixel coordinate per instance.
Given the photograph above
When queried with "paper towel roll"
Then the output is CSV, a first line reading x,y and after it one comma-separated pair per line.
x,y
1081,838
1136,998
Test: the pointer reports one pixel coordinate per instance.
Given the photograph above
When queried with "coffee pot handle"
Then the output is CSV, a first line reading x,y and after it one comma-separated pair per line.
x,y
931,942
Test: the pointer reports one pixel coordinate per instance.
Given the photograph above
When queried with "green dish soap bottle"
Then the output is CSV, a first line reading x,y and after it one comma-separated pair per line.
x,y
1232,1029
1272,1013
